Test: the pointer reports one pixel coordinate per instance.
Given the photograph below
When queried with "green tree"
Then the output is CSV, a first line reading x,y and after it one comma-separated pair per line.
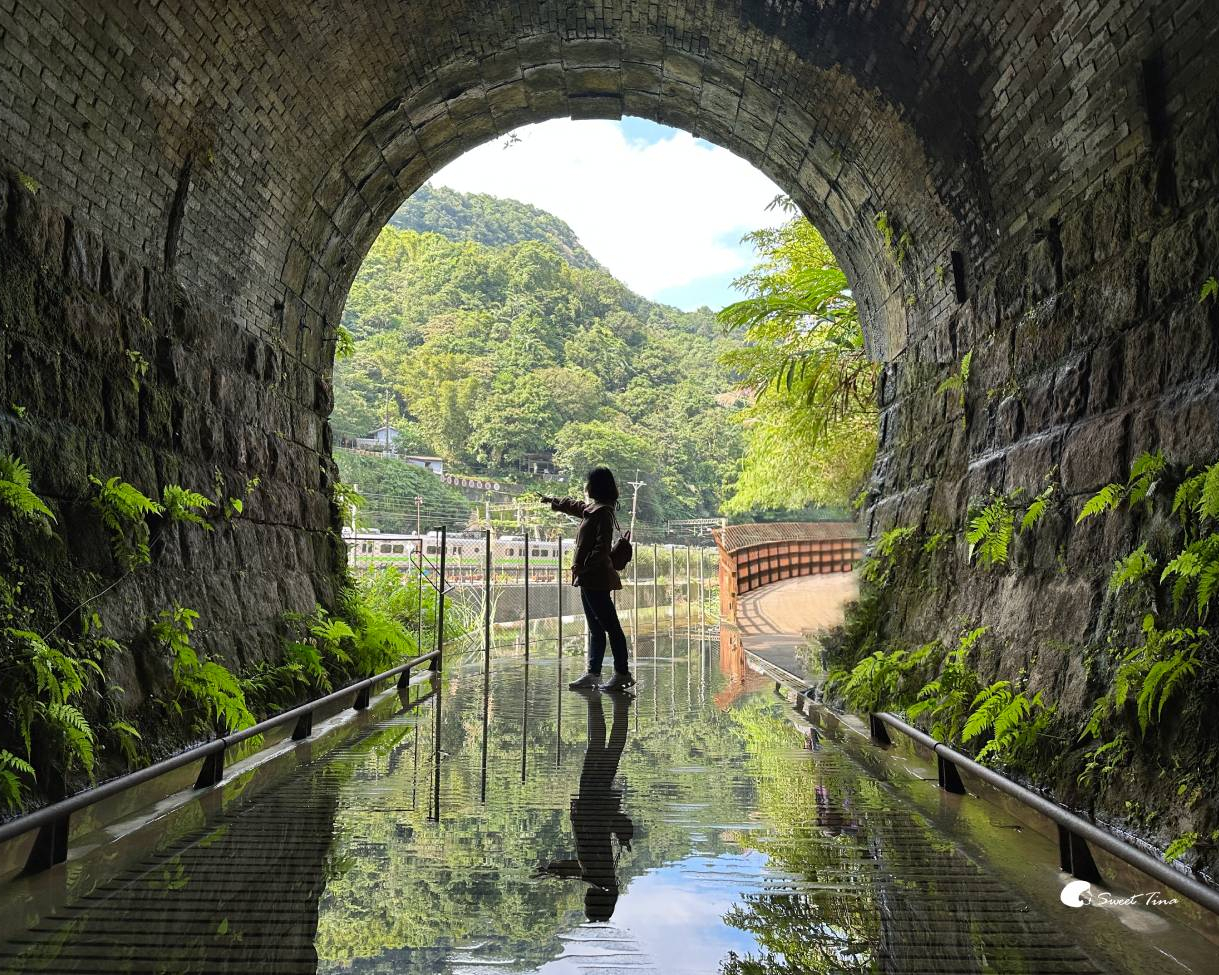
x,y
810,431
518,417
493,336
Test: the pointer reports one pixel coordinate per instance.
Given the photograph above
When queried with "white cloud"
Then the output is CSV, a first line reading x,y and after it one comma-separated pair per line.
x,y
660,211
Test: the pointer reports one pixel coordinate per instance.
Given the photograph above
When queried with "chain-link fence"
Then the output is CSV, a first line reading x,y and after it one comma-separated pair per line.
x,y
518,584
399,515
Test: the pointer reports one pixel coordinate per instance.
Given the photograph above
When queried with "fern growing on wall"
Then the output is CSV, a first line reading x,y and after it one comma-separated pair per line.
x,y
16,774
207,686
1011,719
947,698
15,492
124,509
890,547
1145,474
958,383
990,531
181,504
1135,567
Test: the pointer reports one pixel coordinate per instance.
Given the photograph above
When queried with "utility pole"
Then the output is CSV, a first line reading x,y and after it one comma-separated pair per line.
x,y
636,484
387,442
418,516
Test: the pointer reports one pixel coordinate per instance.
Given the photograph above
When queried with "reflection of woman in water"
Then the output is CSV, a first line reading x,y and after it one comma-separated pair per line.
x,y
596,812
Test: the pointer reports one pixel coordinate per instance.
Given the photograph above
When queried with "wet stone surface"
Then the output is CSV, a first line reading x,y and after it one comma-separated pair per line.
x,y
688,829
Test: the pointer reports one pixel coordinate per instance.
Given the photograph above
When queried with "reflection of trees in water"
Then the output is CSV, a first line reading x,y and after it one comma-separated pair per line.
x,y
897,897
812,834
469,878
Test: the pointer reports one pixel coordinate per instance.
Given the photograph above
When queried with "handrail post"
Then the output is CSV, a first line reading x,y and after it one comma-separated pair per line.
x,y
1075,857
878,731
50,846
949,776
362,698
304,727
212,771
558,578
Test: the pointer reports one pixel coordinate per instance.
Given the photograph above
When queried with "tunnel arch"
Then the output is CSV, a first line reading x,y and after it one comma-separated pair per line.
x,y
197,183
812,158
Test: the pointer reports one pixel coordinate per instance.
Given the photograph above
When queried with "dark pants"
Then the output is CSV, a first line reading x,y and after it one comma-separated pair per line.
x,y
603,623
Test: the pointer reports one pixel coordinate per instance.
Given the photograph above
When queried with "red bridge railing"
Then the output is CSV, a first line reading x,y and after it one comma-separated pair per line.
x,y
758,554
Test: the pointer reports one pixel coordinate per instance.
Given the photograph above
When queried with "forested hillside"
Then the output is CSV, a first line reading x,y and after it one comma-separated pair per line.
x,y
488,354
488,220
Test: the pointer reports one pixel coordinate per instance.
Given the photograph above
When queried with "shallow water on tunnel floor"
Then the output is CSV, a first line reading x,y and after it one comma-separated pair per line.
x,y
687,829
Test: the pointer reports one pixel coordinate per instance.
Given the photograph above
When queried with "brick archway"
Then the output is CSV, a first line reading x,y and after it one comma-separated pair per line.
x,y
197,183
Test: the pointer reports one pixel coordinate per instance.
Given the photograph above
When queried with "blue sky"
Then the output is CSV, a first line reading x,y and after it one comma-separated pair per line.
x,y
662,210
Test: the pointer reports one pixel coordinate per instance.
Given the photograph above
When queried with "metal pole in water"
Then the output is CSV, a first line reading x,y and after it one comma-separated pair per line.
x,y
438,668
487,604
672,594
438,662
702,590
558,578
689,593
634,600
525,724
655,594
526,595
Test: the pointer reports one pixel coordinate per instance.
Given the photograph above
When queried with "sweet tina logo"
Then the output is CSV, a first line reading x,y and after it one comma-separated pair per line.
x,y
1077,893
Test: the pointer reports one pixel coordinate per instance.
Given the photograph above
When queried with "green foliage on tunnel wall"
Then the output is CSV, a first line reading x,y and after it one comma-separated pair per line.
x,y
1147,682
992,525
942,686
64,715
1174,652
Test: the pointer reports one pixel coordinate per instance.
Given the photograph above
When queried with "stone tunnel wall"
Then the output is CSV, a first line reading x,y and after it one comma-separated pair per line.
x,y
197,183
111,369
1089,347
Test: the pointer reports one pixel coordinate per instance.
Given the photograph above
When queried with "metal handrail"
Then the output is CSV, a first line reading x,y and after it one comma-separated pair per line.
x,y
1074,832
51,846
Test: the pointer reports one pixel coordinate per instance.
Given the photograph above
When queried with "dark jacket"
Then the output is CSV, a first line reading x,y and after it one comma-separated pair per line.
x,y
590,564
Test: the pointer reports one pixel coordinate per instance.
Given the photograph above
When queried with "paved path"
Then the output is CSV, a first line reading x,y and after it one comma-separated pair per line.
x,y
507,825
776,620
564,835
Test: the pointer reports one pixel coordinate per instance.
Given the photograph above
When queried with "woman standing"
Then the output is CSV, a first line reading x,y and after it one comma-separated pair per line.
x,y
593,571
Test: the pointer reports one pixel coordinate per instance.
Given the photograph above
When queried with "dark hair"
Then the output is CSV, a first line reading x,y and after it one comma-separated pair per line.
x,y
601,485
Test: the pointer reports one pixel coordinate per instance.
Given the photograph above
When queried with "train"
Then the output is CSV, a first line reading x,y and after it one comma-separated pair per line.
x,y
462,547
